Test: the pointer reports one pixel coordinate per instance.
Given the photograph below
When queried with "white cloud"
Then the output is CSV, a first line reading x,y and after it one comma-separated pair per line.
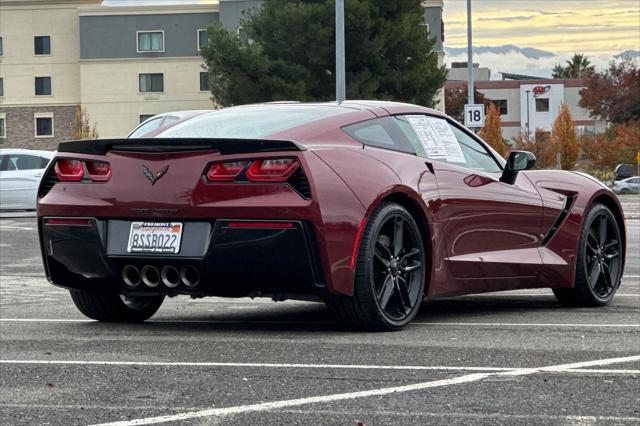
x,y
518,63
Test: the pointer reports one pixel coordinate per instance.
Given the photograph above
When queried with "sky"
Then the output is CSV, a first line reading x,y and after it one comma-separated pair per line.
x,y
597,28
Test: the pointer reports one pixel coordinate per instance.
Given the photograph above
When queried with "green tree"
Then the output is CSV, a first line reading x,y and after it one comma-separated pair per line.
x,y
291,55
578,66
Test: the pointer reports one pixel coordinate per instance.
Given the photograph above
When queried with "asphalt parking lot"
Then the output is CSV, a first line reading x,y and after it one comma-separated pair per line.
x,y
501,358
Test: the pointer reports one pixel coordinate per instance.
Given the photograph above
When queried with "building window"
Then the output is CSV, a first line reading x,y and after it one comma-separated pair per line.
x,y
542,105
43,86
3,129
44,126
204,81
145,117
150,41
203,38
1,87
501,105
42,45
151,82
1,47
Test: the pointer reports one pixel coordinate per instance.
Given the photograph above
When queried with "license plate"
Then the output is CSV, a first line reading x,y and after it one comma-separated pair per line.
x,y
155,237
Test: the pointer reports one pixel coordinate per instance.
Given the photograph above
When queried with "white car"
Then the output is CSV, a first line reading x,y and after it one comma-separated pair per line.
x,y
162,120
20,174
627,186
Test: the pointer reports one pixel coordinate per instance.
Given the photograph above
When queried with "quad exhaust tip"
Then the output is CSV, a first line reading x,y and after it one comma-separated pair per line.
x,y
170,276
150,276
189,276
131,276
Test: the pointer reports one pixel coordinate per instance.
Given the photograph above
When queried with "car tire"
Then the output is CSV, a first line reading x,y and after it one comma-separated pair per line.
x,y
623,191
599,261
110,306
389,274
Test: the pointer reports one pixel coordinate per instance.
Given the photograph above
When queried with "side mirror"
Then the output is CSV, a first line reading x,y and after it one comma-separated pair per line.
x,y
517,161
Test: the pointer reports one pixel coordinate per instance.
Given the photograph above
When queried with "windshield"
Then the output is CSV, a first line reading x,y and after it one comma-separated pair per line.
x,y
252,122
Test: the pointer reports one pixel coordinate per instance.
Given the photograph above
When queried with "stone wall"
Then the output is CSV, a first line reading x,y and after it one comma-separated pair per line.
x,y
20,127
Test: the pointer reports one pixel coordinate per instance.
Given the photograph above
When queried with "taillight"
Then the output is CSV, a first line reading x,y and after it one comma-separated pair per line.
x,y
69,170
272,170
99,171
225,172
73,170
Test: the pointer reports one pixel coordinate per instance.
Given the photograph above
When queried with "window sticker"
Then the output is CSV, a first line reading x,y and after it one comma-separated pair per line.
x,y
428,137
448,140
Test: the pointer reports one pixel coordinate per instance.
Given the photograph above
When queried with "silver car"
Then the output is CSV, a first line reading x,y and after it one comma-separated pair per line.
x,y
20,174
627,186
162,120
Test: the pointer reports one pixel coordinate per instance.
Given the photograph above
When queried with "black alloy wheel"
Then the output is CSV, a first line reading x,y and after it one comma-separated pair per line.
x,y
599,263
603,257
389,273
397,268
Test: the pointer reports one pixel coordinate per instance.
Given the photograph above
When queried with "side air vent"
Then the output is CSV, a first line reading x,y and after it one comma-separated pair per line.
x,y
299,182
566,208
48,181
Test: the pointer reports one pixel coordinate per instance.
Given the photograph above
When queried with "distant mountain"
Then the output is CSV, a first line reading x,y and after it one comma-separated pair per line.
x,y
528,52
628,54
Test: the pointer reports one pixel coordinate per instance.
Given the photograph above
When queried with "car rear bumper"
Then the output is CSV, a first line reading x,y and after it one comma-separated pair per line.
x,y
232,258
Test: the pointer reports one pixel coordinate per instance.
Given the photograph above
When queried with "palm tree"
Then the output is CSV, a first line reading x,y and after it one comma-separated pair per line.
x,y
578,66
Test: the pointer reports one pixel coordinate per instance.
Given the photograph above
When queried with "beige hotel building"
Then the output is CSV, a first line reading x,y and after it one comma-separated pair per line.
x,y
121,63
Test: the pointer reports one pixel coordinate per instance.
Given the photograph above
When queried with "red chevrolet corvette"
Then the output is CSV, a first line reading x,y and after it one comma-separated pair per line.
x,y
370,207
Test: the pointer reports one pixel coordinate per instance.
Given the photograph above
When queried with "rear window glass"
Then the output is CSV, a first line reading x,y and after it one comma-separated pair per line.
x,y
381,133
250,122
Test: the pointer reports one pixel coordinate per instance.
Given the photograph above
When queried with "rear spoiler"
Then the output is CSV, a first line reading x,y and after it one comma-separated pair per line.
x,y
224,146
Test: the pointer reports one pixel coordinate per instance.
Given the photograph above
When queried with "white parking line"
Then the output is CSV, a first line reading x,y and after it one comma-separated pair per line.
x,y
526,324
231,322
22,228
256,365
456,324
266,406
292,366
530,295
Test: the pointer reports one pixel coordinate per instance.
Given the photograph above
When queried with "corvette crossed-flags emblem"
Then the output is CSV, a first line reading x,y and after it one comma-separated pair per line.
x,y
153,178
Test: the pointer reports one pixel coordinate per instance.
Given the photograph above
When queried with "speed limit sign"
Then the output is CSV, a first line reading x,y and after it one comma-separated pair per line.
x,y
474,115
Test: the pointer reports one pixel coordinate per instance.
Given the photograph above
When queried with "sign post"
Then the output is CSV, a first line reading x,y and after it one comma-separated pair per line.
x,y
470,89
474,115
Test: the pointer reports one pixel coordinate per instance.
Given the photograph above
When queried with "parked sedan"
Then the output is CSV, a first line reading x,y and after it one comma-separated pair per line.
x,y
627,186
370,207
20,173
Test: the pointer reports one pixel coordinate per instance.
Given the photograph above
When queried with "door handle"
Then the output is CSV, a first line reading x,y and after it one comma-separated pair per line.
x,y
430,167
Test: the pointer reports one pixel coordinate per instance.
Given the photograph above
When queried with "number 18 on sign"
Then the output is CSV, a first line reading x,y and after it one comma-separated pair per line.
x,y
474,115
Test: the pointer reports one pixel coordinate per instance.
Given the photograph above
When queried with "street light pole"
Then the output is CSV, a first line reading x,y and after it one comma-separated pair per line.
x,y
528,129
471,97
341,84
